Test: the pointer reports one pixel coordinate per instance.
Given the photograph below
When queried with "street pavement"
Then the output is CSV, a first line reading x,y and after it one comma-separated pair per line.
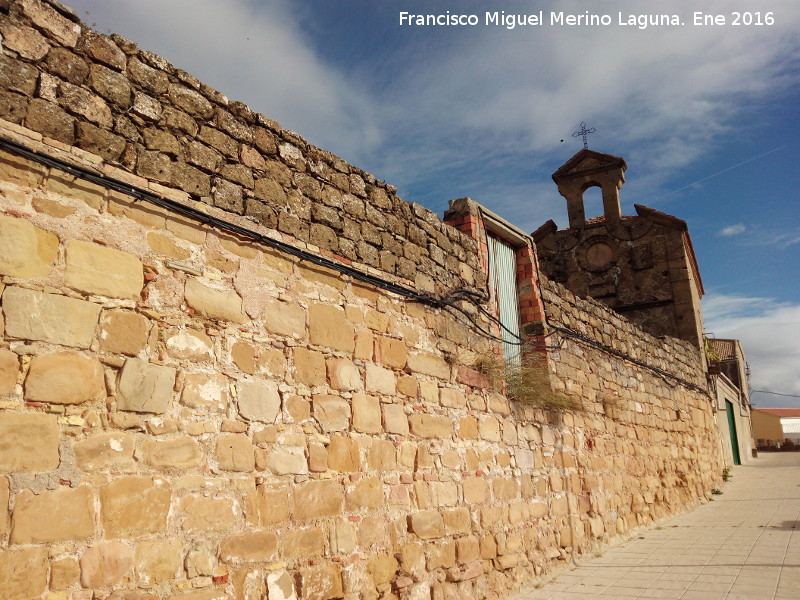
x,y
745,545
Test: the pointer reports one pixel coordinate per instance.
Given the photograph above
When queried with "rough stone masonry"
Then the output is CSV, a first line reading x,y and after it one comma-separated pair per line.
x,y
189,415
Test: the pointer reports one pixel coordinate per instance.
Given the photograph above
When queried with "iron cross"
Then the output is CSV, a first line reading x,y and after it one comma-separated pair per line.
x,y
583,133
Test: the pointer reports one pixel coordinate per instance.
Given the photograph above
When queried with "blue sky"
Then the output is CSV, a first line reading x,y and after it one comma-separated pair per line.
x,y
706,117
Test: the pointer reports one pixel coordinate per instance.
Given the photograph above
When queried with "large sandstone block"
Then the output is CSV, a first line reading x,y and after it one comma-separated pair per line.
x,y
366,493
329,327
144,387
53,516
253,546
391,352
427,524
9,369
267,506
304,543
64,378
366,414
28,442
25,251
123,332
316,499
32,315
321,583
380,380
259,400
97,269
284,318
430,426
23,573
343,454
235,452
288,460
428,364
179,453
309,367
332,413
214,304
106,564
104,450
158,562
395,419
202,513
344,375
134,506
206,391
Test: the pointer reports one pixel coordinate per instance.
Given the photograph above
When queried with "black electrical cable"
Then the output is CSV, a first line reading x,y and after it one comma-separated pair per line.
x,y
448,301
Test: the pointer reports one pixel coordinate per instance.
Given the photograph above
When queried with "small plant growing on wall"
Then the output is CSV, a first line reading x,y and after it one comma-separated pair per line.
x,y
726,474
526,380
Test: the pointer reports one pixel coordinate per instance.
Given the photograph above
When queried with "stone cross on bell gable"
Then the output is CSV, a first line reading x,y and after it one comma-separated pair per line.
x,y
583,133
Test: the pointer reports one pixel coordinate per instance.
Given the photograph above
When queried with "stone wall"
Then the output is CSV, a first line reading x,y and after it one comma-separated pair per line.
x,y
144,116
185,414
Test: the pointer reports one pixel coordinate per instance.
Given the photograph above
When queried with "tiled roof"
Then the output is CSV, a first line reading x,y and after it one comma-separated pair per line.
x,y
782,412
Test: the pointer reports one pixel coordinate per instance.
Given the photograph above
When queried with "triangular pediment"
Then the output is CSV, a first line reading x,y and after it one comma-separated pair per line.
x,y
588,161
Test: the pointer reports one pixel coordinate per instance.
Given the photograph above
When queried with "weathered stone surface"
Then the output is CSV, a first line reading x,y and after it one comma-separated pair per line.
x,y
427,524
309,367
190,101
366,414
391,352
114,449
332,412
64,573
213,303
101,270
343,454
9,369
366,493
235,452
329,327
64,378
53,516
430,426
4,498
206,391
36,315
259,400
51,21
395,419
144,387
380,380
28,442
23,573
288,460
105,564
158,562
67,65
123,332
180,453
267,506
207,514
344,375
134,506
316,499
383,568
321,583
429,364
25,251
280,585
304,543
382,455
254,546
190,344
26,41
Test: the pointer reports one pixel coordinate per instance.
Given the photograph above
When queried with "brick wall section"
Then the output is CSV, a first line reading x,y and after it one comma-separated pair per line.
x,y
144,116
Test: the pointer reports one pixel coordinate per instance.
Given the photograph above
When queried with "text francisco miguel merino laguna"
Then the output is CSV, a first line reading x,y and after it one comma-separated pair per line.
x,y
510,21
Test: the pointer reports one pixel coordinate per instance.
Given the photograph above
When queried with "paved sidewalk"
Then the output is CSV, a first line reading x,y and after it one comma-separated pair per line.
x,y
745,545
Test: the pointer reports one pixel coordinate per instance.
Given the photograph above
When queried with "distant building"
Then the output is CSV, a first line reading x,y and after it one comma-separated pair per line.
x,y
789,421
767,430
728,375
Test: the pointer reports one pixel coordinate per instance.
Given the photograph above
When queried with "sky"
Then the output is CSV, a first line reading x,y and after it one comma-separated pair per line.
x,y
705,115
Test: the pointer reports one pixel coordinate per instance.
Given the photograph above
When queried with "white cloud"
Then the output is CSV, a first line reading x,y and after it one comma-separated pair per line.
x,y
255,53
732,230
770,336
